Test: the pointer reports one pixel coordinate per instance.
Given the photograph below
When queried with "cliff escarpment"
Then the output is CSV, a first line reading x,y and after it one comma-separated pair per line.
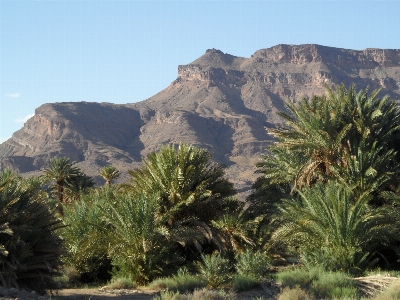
x,y
219,102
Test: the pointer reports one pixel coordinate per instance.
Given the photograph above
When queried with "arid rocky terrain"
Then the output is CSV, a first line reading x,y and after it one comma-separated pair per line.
x,y
219,101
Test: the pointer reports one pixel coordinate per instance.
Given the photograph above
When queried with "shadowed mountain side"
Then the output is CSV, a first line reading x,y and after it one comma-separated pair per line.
x,y
219,101
78,130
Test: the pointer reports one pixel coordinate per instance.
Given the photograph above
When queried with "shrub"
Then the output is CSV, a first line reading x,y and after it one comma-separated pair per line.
x,y
391,293
294,293
320,284
333,285
295,277
243,282
181,283
214,269
252,264
121,283
169,295
205,294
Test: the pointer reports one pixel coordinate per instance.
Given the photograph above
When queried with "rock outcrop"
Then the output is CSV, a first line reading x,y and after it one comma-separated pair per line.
x,y
219,101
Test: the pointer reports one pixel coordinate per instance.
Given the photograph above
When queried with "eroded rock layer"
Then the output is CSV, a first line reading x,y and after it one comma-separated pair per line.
x,y
219,101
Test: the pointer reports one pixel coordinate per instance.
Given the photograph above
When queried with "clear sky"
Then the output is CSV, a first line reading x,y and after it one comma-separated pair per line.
x,y
126,51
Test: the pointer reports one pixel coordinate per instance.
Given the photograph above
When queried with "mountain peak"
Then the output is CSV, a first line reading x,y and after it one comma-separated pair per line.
x,y
219,101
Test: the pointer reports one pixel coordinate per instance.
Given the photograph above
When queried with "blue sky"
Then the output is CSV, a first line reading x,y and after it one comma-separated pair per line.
x,y
126,51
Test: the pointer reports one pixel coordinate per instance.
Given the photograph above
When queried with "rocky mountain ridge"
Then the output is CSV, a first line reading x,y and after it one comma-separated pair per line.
x,y
219,101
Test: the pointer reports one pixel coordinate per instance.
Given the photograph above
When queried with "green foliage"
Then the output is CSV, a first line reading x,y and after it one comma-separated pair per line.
x,y
319,283
169,295
60,169
333,285
344,135
301,277
205,294
235,228
84,235
138,241
294,293
252,264
30,246
214,269
391,293
199,294
192,193
121,283
242,283
77,186
109,173
334,229
182,283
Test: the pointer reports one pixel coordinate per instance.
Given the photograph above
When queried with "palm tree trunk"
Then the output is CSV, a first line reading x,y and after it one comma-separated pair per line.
x,y
60,196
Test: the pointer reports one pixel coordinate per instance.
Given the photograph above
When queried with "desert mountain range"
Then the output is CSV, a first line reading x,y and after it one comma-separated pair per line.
x,y
219,101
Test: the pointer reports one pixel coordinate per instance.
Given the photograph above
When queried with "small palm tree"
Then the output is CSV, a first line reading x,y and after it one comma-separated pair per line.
x,y
60,169
76,186
192,192
109,173
334,228
30,248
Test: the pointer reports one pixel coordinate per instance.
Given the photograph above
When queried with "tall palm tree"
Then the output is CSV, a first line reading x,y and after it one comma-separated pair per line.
x,y
60,169
109,173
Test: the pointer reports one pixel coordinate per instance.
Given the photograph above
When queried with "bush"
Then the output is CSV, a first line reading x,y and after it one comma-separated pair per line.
x,y
169,295
242,283
181,283
294,293
295,277
391,293
320,284
252,264
205,294
121,283
214,269
333,285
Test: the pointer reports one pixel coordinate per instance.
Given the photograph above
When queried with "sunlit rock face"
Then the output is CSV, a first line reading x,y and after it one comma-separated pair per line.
x,y
219,101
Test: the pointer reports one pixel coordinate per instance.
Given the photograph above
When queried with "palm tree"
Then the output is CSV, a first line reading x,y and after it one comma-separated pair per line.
x,y
76,186
60,169
109,173
335,228
324,133
192,191
235,229
139,242
30,248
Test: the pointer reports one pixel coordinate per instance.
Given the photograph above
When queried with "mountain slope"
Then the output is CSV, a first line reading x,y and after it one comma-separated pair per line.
x,y
219,101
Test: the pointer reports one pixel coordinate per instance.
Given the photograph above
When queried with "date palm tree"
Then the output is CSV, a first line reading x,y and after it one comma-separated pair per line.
x,y
30,248
334,228
192,191
60,169
76,186
109,173
325,133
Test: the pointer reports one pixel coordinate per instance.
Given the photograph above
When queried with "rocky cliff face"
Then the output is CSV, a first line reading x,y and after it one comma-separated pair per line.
x,y
219,101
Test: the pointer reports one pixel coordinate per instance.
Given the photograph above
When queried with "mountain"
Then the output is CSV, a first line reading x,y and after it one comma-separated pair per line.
x,y
219,101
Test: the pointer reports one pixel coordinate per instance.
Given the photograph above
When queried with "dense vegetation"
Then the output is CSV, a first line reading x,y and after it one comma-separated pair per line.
x,y
327,199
